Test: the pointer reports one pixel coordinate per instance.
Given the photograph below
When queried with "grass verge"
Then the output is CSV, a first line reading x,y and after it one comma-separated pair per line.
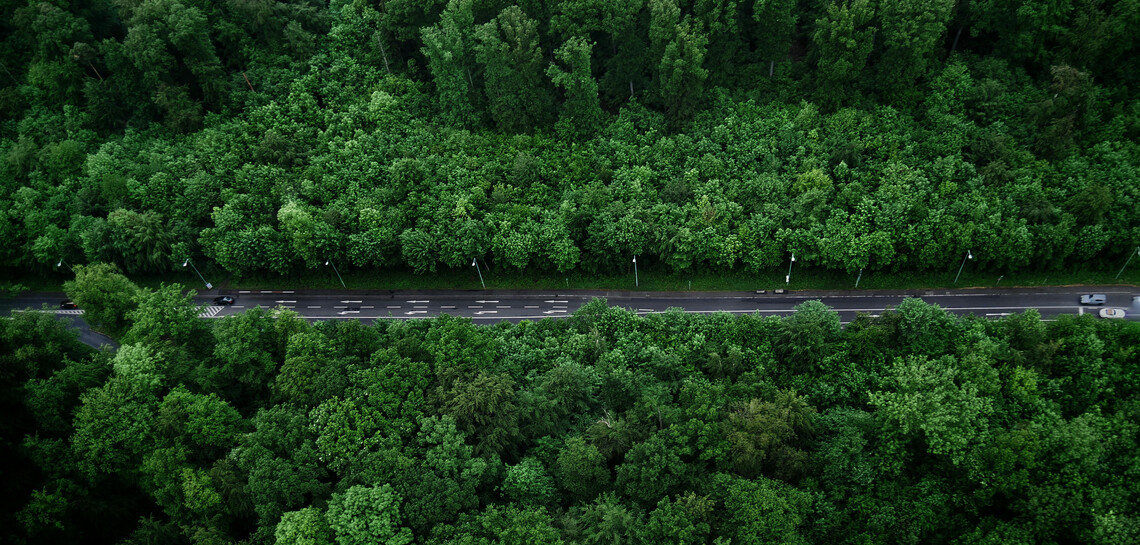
x,y
648,279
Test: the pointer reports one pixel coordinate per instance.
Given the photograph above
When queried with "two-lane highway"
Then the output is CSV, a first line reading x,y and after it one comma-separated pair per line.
x,y
491,306
515,306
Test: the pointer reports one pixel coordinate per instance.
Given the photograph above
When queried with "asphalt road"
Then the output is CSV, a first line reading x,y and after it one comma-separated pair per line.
x,y
494,306
87,335
514,306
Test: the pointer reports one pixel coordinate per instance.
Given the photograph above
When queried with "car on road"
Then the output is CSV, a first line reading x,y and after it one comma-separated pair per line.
x,y
1093,299
68,305
1111,313
224,300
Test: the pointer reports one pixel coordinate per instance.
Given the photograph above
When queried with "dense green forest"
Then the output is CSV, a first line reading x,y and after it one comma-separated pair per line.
x,y
600,428
265,137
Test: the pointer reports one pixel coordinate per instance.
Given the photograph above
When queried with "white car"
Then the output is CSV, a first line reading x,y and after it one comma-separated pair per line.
x,y
1111,313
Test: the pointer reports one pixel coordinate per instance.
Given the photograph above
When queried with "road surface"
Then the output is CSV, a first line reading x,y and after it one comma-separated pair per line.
x,y
494,306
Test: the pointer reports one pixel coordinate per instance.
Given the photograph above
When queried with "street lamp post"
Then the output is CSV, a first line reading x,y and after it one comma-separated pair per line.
x,y
860,277
329,262
635,282
475,263
1130,256
788,278
209,286
969,255
999,281
57,265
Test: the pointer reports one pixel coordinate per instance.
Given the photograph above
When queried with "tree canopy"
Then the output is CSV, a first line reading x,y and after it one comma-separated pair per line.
x,y
269,136
602,427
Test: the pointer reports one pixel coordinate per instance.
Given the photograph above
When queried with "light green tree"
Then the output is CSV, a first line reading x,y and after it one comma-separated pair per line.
x,y
306,526
527,483
105,295
366,515
934,399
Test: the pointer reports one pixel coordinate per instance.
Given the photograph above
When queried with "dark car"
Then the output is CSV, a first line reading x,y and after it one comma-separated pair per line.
x,y
66,305
224,300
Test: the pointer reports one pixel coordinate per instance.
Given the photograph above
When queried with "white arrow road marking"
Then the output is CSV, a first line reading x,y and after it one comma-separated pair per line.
x,y
343,312
552,311
556,301
416,312
487,312
352,301
414,302
482,301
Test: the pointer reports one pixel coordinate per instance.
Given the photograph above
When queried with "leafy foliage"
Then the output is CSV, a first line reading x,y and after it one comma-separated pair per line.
x,y
604,427
269,137
273,136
